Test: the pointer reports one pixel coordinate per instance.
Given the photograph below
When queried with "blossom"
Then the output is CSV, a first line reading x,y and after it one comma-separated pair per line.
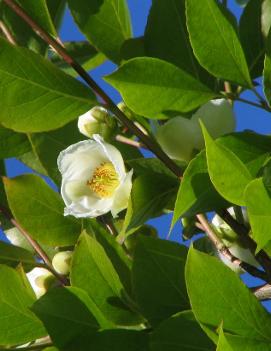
x,y
40,280
181,137
94,180
96,121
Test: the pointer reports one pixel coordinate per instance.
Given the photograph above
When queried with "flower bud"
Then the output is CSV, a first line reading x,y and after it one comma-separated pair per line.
x,y
177,138
41,280
218,118
62,262
97,121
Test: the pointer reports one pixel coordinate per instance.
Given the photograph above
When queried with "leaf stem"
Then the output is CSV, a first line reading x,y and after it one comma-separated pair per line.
x,y
151,144
204,224
122,139
262,292
31,347
39,250
8,35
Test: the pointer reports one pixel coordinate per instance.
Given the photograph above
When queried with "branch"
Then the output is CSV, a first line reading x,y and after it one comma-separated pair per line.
x,y
204,224
151,144
39,250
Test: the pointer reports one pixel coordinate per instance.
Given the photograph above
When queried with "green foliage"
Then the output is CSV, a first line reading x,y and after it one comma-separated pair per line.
x,y
208,280
106,24
150,87
219,36
42,215
43,90
128,289
158,278
19,324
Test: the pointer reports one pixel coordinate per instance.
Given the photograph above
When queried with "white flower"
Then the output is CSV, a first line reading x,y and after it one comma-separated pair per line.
x,y
94,180
180,136
96,121
40,279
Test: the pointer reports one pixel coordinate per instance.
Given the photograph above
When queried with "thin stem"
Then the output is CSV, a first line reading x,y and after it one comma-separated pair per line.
x,y
262,292
151,144
122,139
30,347
264,107
8,35
204,224
39,250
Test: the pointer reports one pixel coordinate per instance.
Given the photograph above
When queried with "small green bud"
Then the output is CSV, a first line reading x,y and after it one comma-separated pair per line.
x,y
97,121
62,262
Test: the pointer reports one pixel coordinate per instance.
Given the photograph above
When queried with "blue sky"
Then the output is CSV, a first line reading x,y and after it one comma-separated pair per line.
x,y
248,117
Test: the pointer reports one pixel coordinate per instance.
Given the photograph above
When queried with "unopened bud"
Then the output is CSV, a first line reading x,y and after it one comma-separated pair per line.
x,y
62,262
97,121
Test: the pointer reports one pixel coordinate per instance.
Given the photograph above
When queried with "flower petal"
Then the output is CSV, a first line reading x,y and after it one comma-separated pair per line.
x,y
122,195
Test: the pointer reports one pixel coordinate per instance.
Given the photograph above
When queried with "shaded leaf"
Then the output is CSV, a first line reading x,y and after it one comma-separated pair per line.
x,y
12,144
106,24
158,278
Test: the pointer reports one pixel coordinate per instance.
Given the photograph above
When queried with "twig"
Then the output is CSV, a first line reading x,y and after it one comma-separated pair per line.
x,y
262,292
151,144
41,253
30,347
263,106
225,251
124,140
243,232
10,38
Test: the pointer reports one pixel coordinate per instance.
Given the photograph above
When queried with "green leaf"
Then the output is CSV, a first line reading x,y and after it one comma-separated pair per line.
x,y
106,24
23,34
218,295
18,324
12,144
47,147
70,326
39,96
113,250
165,18
120,340
267,69
180,332
133,47
158,278
251,37
93,271
151,86
56,9
149,166
258,202
217,47
228,342
83,53
13,255
197,193
228,173
39,210
151,194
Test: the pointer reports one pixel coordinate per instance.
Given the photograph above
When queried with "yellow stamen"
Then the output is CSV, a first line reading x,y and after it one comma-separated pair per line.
x,y
105,180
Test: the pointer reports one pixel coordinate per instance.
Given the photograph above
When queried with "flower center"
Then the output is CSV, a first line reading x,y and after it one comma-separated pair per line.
x,y
105,180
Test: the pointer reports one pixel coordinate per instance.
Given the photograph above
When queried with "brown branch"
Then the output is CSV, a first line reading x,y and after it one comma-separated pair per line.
x,y
204,224
38,249
151,144
8,35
